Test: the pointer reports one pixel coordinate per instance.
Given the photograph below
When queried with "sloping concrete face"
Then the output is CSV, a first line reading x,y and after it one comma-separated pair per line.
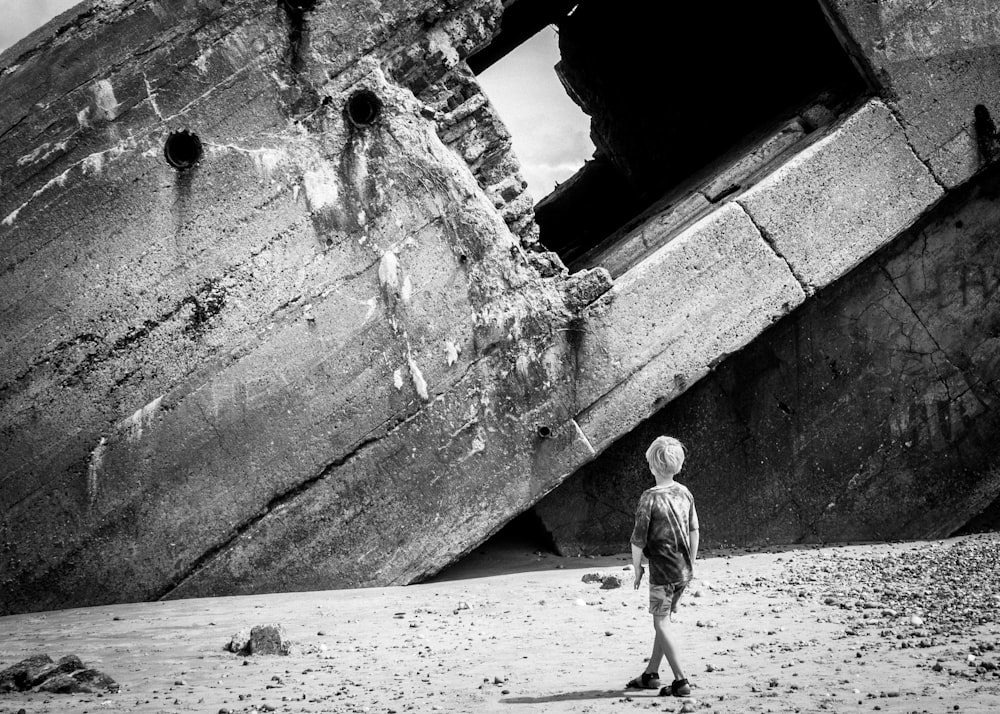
x,y
283,353
870,413
662,325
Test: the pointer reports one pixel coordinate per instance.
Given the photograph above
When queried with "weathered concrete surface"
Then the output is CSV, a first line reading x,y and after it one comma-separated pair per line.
x,y
934,60
193,353
843,198
869,413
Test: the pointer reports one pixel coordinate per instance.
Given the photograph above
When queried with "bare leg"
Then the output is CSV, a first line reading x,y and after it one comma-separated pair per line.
x,y
656,658
666,646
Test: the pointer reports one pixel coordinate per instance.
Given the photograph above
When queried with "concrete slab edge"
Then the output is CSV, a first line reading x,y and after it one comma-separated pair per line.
x,y
659,380
772,292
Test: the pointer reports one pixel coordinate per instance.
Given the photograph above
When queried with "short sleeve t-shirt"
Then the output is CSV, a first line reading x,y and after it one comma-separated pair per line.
x,y
664,520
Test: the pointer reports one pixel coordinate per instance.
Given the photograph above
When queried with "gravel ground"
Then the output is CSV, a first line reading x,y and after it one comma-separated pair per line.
x,y
894,628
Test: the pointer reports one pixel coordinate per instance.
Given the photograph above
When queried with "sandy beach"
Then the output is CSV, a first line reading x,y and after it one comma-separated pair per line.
x,y
909,627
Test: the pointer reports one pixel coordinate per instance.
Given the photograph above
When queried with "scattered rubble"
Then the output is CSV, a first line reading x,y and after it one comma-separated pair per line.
x,y
608,582
932,595
68,675
935,589
611,582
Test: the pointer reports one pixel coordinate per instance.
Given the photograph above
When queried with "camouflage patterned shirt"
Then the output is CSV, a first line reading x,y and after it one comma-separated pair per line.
x,y
664,520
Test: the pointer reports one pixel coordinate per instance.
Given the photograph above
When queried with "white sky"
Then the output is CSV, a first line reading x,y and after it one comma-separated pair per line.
x,y
551,135
21,17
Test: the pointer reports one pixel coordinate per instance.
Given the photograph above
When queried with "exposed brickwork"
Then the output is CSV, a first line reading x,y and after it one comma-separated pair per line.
x,y
467,122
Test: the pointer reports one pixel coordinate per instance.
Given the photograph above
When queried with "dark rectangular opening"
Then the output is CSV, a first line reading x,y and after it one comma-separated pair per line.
x,y
676,92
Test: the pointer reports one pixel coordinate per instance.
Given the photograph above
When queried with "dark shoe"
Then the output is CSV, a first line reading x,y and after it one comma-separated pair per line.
x,y
677,688
646,680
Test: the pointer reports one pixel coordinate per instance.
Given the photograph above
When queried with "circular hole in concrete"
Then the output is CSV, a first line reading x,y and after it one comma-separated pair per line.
x,y
544,432
363,108
182,149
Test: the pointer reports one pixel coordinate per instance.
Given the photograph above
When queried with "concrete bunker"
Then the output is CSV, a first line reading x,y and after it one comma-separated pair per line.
x,y
256,306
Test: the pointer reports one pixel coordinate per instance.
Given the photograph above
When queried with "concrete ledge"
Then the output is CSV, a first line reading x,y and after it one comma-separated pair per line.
x,y
731,178
666,322
843,198
652,234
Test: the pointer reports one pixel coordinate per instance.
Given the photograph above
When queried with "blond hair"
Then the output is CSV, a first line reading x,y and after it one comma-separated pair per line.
x,y
666,454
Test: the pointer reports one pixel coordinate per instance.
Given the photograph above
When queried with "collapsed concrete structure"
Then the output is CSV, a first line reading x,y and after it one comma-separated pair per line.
x,y
278,313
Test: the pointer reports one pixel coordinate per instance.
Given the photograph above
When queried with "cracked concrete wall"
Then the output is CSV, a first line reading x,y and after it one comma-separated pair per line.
x,y
843,198
934,61
869,413
665,322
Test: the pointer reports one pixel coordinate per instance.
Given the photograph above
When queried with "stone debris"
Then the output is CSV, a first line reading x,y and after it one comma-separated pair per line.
x,y
260,640
239,641
909,599
608,582
585,287
68,675
611,582
936,591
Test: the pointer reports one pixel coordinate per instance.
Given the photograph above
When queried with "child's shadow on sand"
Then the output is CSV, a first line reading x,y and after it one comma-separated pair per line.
x,y
569,696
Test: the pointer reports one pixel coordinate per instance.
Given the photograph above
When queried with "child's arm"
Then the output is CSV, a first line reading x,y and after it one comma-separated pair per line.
x,y
638,538
637,568
694,535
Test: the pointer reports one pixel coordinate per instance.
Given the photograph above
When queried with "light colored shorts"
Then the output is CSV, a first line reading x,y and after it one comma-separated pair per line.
x,y
663,599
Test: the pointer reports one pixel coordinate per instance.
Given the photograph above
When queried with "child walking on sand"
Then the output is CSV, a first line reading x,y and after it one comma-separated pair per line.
x,y
666,533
